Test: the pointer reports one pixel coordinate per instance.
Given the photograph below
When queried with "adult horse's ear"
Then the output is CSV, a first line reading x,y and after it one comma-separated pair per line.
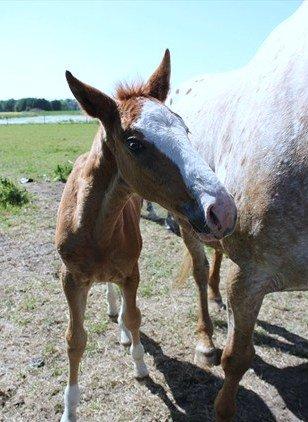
x,y
159,83
95,103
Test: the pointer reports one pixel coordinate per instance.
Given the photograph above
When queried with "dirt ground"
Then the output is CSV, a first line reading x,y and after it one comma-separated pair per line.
x,y
33,317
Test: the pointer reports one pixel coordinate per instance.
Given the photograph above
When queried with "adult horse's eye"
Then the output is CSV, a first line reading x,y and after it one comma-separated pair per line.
x,y
134,144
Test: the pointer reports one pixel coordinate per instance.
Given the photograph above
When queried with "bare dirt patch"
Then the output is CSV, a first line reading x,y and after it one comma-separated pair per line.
x,y
33,317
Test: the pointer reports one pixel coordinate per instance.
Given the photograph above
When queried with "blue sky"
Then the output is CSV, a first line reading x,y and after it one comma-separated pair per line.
x,y
103,42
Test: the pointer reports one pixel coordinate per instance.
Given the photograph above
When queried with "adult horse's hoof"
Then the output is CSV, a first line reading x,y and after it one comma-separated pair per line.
x,y
205,357
218,303
113,317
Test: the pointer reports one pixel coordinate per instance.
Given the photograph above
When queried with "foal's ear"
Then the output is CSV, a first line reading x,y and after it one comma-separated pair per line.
x,y
159,83
94,102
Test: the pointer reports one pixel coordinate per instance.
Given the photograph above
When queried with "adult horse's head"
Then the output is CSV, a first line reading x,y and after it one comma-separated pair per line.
x,y
154,155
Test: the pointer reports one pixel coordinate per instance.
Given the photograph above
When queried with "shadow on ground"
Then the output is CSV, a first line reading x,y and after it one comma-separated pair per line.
x,y
291,382
194,389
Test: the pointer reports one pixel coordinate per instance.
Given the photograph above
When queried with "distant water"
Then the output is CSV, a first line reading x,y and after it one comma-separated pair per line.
x,y
60,118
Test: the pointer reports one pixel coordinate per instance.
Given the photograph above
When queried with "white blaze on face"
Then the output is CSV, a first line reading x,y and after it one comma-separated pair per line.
x,y
168,133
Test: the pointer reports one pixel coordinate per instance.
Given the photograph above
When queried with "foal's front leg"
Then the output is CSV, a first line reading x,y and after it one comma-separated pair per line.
x,y
206,353
76,293
131,317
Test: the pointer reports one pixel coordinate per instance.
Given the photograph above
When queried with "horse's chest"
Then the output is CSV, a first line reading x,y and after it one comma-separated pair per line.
x,y
117,261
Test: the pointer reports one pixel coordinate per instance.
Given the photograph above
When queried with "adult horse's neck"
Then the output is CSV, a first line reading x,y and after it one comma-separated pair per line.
x,y
103,193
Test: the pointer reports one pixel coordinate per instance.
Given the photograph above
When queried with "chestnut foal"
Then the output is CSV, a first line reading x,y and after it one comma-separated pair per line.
x,y
141,150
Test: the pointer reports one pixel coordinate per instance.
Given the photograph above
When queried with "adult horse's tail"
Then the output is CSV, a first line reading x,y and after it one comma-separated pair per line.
x,y
185,270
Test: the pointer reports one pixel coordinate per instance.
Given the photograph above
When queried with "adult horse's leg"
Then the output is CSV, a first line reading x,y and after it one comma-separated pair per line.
x,y
245,295
206,353
151,211
172,225
111,296
214,279
76,294
132,319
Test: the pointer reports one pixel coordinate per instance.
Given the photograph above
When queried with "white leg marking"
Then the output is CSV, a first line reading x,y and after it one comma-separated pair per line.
x,y
140,367
205,350
111,300
125,335
71,400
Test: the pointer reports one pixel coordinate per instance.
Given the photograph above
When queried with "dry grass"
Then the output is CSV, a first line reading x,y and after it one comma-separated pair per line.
x,y
33,316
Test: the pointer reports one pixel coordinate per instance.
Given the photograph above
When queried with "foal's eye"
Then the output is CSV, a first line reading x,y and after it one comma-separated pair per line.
x,y
134,144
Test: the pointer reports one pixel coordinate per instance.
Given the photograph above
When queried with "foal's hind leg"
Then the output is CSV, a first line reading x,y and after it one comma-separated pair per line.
x,y
132,319
111,296
125,335
76,294
206,353
214,279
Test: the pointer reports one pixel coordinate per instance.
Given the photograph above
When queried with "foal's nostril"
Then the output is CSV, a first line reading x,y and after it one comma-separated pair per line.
x,y
213,218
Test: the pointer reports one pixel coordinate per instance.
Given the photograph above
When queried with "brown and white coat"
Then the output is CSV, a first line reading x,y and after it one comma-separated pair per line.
x,y
141,150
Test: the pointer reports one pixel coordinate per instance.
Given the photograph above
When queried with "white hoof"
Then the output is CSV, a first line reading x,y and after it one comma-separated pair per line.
x,y
137,352
125,337
71,400
68,417
141,370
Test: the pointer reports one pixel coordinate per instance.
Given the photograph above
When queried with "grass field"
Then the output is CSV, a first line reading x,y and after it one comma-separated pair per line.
x,y
34,150
33,317
11,114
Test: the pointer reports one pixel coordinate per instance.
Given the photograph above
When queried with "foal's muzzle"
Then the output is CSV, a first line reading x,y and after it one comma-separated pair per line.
x,y
214,220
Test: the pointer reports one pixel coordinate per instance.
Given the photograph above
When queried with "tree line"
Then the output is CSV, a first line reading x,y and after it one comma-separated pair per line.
x,y
28,104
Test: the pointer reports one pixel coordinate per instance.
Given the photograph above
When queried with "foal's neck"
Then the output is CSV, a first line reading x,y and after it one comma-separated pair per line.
x,y
107,193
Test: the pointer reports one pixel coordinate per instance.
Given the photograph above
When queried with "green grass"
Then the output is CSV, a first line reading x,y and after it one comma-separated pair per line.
x,y
34,150
62,171
11,194
14,202
11,114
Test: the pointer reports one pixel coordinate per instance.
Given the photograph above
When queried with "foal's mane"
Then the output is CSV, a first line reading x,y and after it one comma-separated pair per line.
x,y
125,91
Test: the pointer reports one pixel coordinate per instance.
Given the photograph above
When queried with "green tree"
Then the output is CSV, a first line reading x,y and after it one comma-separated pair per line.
x,y
56,105
21,104
9,105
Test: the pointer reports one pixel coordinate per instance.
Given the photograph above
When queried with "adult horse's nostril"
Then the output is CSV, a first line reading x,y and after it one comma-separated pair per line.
x,y
212,217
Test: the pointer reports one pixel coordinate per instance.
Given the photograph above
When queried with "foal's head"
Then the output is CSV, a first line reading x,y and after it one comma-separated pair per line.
x,y
154,155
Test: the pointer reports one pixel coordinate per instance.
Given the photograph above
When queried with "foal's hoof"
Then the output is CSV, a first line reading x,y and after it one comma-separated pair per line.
x,y
68,417
141,371
205,357
125,338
